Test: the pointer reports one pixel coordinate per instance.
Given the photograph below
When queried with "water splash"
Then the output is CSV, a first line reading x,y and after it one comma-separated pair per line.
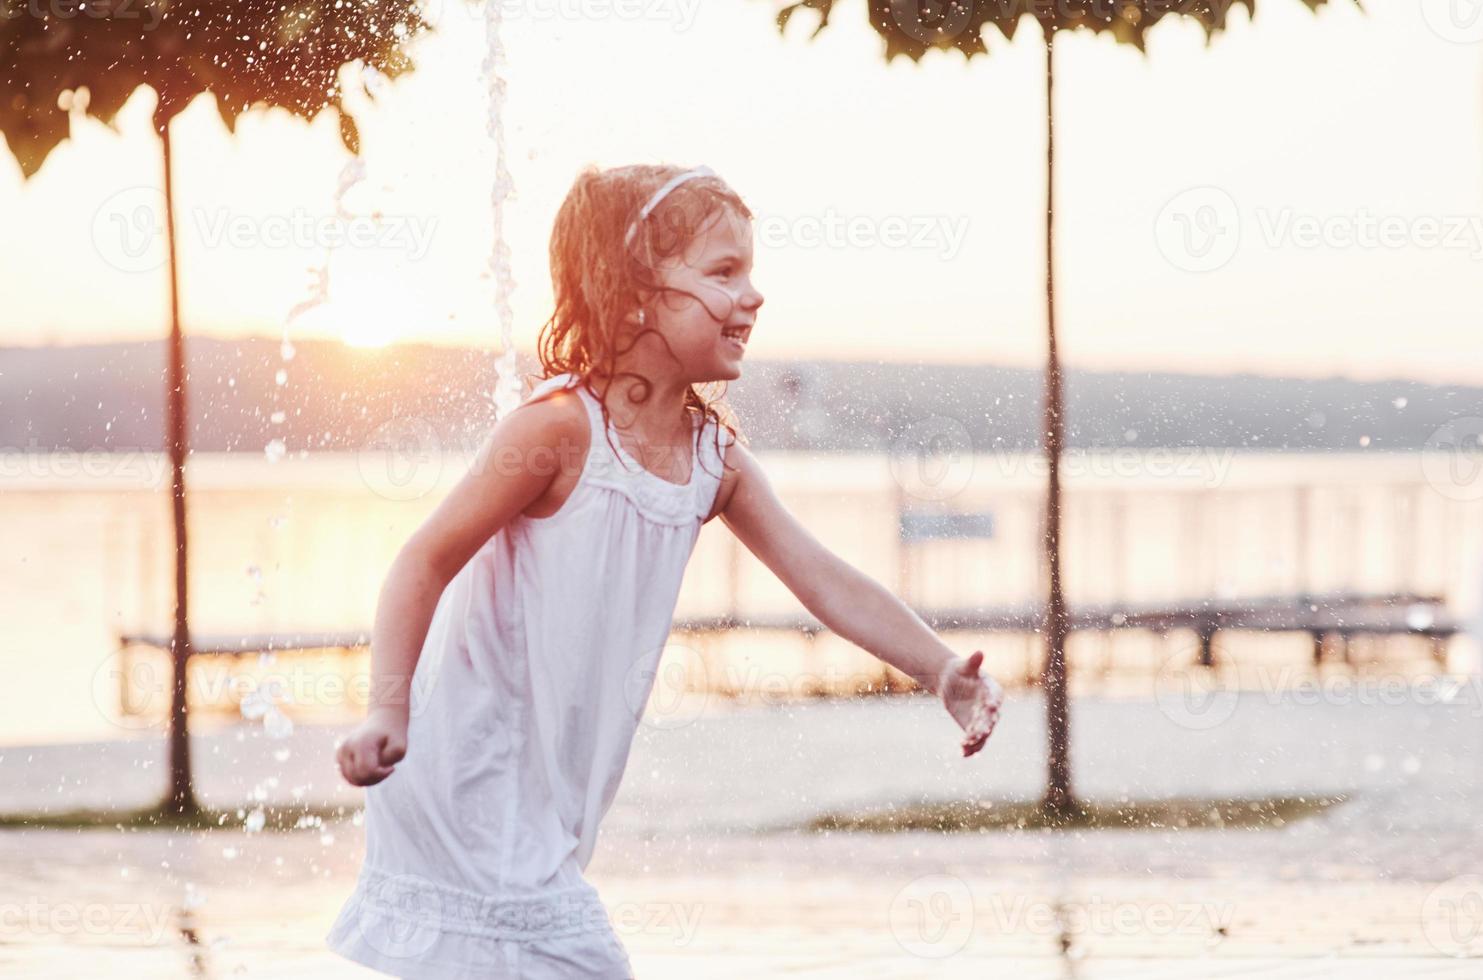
x,y
351,174
506,395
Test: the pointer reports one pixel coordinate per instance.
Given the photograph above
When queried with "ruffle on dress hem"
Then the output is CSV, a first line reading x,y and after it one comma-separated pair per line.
x,y
414,928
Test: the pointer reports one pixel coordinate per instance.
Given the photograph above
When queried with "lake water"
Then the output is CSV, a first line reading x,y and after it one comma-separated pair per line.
x,y
304,544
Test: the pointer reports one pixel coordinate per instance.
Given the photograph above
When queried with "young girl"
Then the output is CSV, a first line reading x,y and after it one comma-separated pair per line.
x,y
519,629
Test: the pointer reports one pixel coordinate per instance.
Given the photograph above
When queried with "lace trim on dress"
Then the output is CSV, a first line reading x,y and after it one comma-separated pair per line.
x,y
656,498
413,905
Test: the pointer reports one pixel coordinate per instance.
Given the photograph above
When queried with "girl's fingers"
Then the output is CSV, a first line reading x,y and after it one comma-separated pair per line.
x,y
367,761
394,753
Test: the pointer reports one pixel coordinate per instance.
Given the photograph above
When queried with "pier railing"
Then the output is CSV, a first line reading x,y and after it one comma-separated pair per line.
x,y
1331,619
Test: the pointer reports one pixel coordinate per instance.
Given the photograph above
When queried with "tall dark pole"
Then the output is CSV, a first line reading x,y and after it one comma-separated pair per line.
x,y
182,798
1058,797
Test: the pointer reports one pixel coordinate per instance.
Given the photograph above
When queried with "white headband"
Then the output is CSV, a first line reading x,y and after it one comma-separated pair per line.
x,y
659,195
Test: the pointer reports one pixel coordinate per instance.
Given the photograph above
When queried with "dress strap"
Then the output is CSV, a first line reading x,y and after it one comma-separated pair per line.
x,y
710,466
661,500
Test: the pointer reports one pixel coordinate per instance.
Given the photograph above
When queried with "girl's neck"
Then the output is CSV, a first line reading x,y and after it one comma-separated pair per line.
x,y
660,417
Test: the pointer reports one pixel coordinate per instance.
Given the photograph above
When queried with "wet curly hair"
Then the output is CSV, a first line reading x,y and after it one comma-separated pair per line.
x,y
598,276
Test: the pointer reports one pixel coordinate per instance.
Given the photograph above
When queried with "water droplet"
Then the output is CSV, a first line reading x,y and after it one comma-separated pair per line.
x,y
277,724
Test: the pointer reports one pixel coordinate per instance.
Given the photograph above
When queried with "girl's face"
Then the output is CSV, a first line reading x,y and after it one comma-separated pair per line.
x,y
707,313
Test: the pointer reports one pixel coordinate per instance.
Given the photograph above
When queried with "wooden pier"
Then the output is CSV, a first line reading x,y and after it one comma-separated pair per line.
x,y
1331,619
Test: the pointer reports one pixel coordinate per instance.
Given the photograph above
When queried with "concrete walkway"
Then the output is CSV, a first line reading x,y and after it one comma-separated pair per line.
x,y
702,878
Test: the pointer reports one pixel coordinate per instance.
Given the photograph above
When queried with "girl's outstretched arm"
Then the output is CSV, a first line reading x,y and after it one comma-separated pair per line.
x,y
851,603
522,454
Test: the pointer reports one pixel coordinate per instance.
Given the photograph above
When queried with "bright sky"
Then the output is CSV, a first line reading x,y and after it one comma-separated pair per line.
x,y
1305,196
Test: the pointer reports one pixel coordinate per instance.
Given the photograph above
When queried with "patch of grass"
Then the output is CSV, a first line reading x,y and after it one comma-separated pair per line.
x,y
961,816
293,817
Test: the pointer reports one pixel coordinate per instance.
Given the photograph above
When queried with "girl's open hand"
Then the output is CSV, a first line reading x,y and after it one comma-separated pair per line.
x,y
973,699
370,752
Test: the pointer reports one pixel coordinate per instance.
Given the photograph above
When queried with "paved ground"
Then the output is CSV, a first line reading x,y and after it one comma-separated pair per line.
x,y
702,877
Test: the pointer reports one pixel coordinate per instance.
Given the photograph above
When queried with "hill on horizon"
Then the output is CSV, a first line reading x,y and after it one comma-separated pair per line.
x,y
111,397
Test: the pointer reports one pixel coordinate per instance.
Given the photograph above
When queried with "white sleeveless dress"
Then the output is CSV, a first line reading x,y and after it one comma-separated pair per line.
x,y
525,700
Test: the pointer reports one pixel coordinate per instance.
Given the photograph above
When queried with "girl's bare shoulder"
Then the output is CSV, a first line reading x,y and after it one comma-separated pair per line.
x,y
557,414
